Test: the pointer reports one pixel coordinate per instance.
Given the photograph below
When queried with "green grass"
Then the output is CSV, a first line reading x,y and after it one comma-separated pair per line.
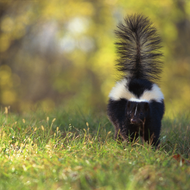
x,y
76,151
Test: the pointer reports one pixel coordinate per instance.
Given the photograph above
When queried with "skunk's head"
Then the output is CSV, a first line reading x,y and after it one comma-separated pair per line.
x,y
137,112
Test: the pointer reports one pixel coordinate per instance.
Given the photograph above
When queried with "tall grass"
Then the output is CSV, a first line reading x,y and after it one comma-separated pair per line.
x,y
65,150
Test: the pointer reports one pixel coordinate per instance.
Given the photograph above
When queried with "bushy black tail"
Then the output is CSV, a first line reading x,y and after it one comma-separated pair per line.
x,y
139,48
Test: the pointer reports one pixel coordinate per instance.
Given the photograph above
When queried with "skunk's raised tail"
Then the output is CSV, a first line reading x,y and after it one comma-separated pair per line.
x,y
139,48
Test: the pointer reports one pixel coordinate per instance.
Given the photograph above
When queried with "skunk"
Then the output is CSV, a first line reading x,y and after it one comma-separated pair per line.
x,y
136,103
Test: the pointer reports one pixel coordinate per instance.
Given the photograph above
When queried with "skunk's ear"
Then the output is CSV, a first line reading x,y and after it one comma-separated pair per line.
x,y
146,106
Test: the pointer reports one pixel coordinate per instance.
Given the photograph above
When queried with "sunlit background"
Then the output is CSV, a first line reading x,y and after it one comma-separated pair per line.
x,y
61,52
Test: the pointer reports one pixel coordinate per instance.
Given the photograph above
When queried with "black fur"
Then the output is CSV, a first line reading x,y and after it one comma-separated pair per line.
x,y
140,61
138,86
146,123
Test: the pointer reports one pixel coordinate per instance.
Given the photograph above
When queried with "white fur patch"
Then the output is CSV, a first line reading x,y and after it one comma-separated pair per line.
x,y
137,100
120,91
153,94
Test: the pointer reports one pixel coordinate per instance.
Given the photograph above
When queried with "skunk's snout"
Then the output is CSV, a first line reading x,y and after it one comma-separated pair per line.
x,y
134,120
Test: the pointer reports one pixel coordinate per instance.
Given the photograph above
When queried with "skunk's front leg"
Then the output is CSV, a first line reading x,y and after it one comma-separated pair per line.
x,y
120,132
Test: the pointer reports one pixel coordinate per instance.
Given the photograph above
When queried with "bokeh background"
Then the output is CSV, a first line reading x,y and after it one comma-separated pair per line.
x,y
61,52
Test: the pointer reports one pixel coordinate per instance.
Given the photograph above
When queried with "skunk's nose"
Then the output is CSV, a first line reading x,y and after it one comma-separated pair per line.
x,y
133,120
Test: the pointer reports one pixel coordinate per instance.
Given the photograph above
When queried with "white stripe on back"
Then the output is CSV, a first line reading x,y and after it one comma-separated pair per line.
x,y
120,91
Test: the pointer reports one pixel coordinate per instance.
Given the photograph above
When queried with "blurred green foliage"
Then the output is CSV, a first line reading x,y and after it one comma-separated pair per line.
x,y
61,52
